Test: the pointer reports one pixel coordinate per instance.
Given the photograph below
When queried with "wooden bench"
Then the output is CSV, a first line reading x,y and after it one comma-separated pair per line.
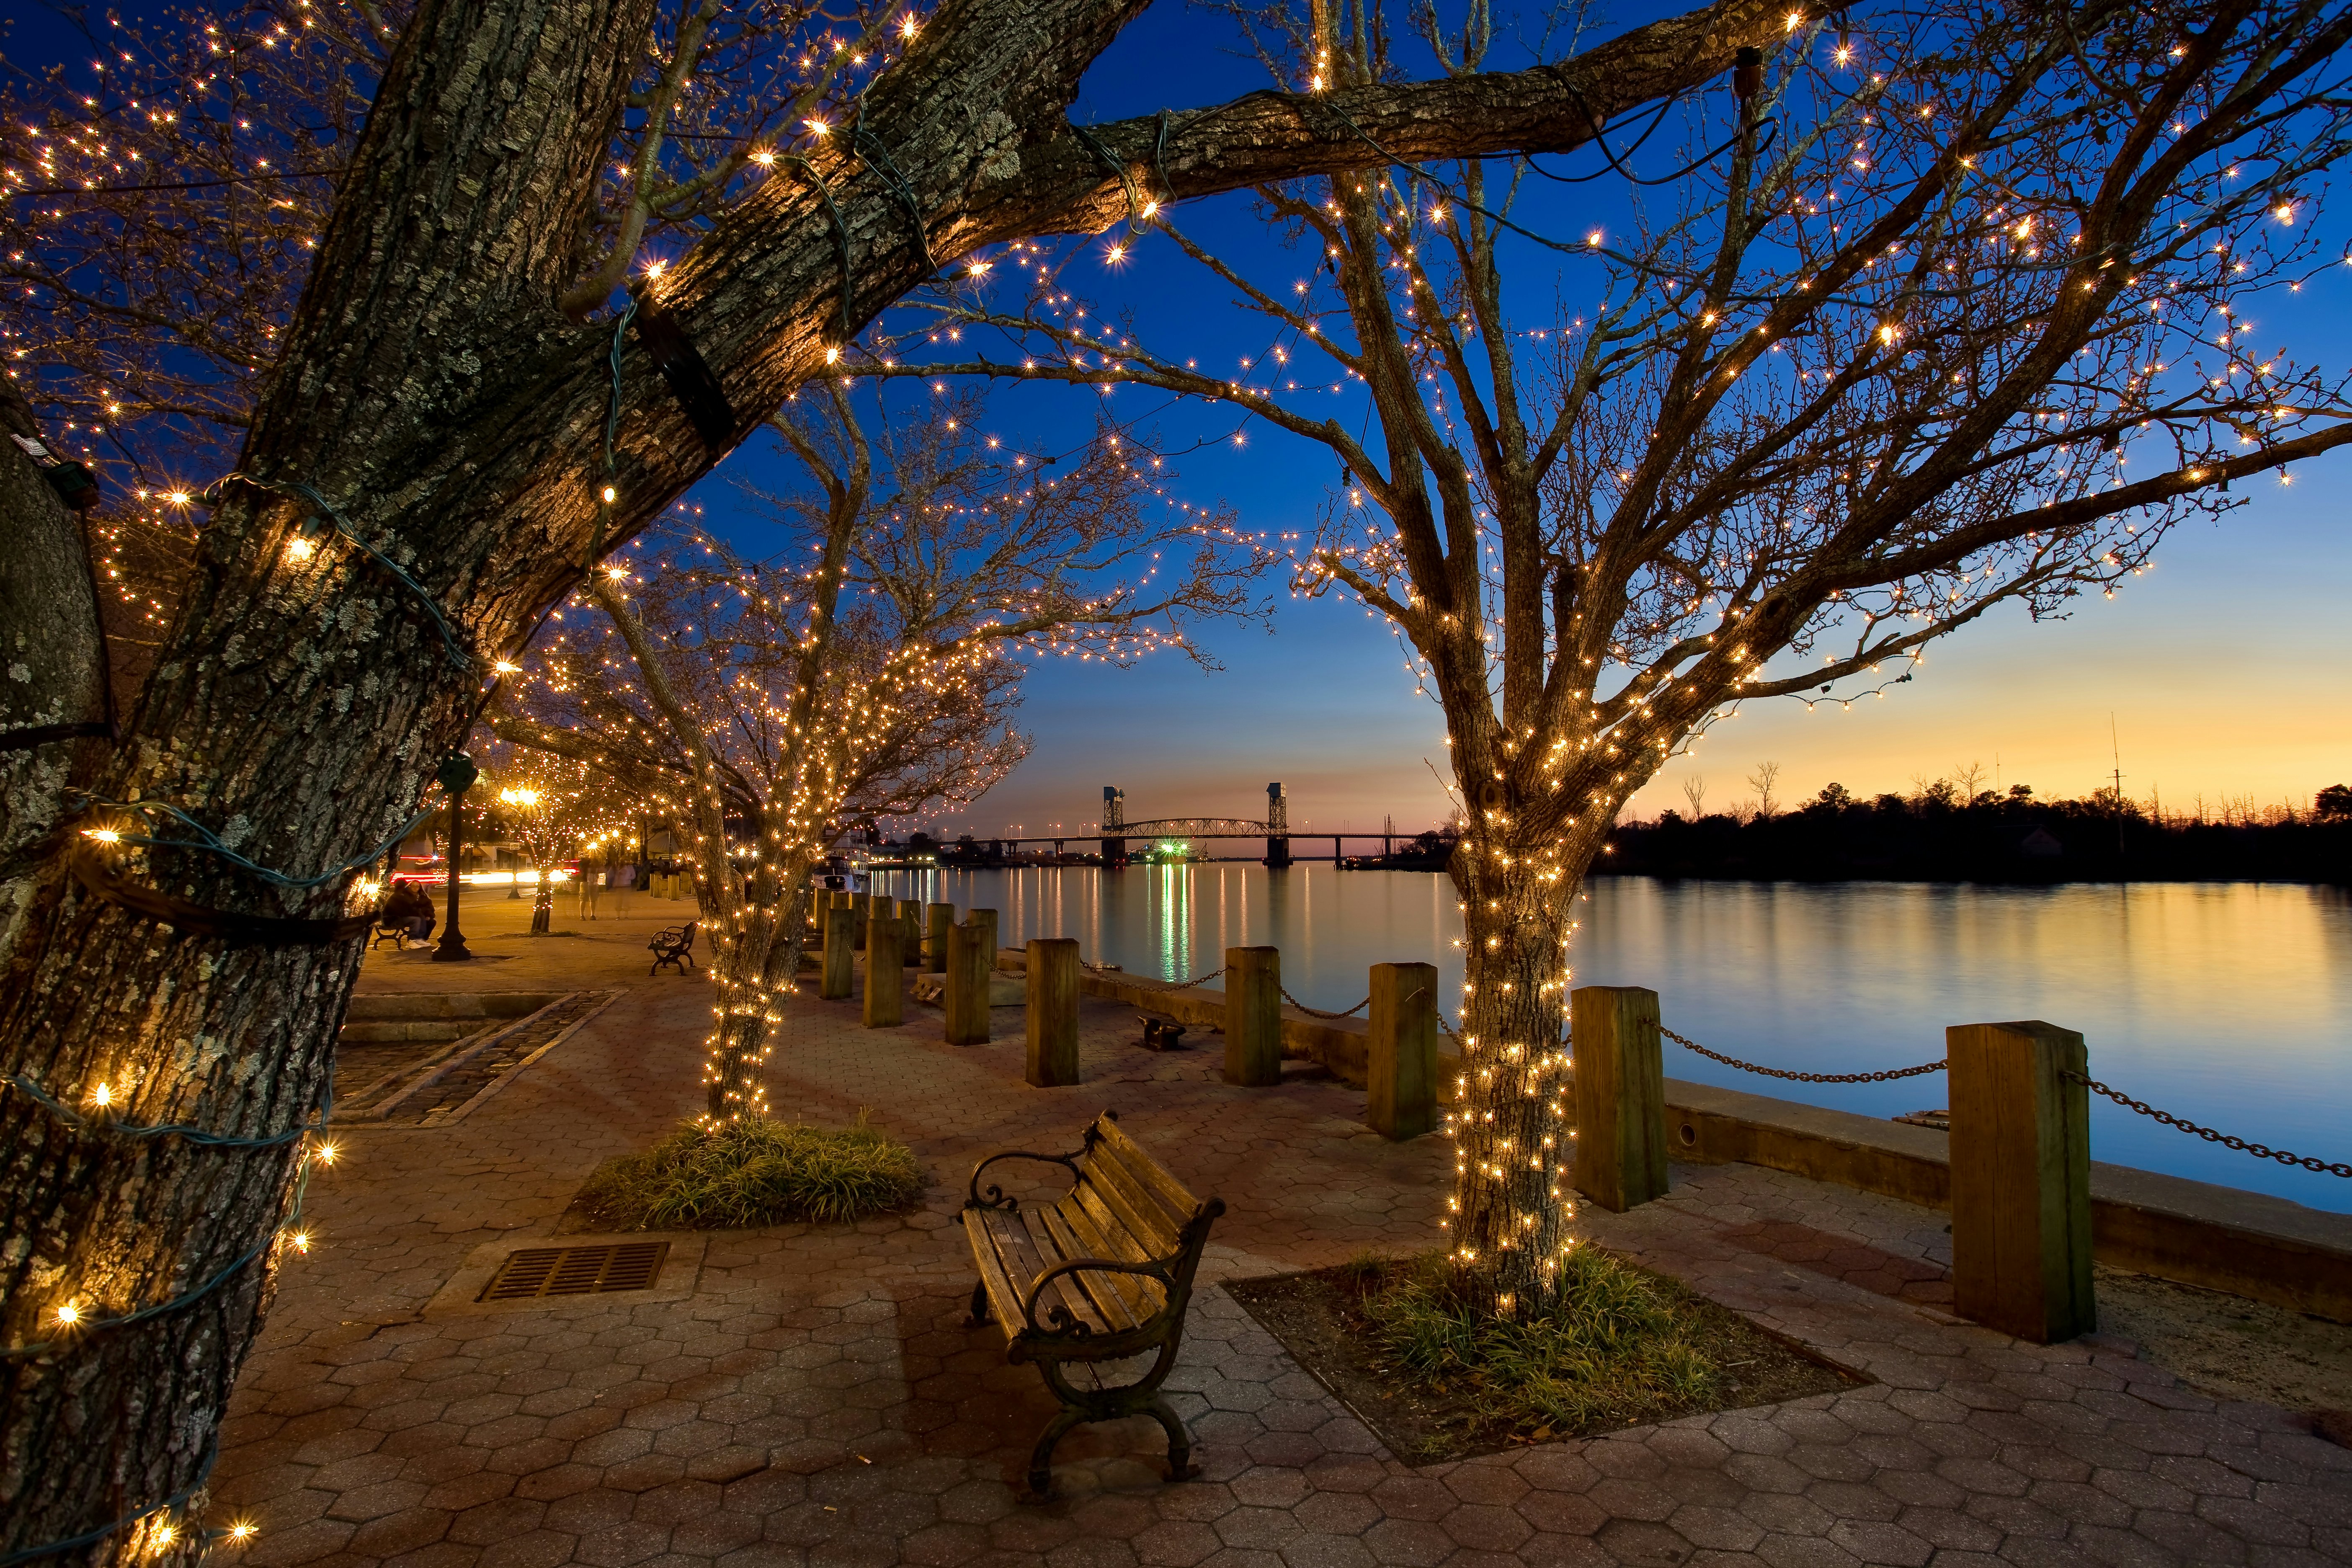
x,y
1102,1273
674,947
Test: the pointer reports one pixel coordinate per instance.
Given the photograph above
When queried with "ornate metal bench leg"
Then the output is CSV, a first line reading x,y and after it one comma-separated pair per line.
x,y
979,1314
1180,1467
1040,1458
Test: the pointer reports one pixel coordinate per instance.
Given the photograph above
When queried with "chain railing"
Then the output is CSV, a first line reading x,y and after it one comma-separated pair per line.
x,y
2259,1151
1887,1076
1199,980
1317,1012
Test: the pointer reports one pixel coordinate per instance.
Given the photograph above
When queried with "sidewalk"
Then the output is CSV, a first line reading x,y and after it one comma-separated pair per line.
x,y
814,1397
609,950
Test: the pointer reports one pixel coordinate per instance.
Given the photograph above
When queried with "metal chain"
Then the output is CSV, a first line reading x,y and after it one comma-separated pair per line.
x,y
1317,1012
1201,980
2259,1151
1885,1076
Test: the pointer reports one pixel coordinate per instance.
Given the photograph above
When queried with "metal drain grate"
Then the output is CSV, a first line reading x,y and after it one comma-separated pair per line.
x,y
576,1271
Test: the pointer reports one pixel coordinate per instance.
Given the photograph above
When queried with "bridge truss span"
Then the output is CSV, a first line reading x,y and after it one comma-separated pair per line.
x,y
1195,827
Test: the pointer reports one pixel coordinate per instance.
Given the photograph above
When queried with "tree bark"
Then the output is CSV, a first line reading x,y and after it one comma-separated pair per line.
x,y
431,392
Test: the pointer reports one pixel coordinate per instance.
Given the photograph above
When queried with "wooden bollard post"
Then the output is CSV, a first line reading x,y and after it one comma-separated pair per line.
x,y
833,977
861,907
1252,1016
1053,995
885,982
2020,1153
940,918
1400,1052
910,932
971,959
1620,1095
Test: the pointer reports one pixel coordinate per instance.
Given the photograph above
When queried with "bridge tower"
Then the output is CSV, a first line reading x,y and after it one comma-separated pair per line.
x,y
1114,818
1277,827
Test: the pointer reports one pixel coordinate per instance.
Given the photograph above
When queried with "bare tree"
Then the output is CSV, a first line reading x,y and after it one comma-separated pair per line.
x,y
548,803
1969,780
1761,781
1872,367
868,668
1695,792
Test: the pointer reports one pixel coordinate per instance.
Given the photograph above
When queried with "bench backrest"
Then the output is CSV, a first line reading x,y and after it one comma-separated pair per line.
x,y
1118,1181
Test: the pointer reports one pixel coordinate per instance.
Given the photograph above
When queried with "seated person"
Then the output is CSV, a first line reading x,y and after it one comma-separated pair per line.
x,y
410,909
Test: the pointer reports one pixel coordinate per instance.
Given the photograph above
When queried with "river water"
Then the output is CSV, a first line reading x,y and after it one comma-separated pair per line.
x,y
2228,1003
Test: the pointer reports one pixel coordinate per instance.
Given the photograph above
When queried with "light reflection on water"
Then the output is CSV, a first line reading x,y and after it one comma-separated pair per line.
x,y
2228,1003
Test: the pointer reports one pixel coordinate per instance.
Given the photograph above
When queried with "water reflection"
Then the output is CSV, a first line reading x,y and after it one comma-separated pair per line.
x,y
2228,1003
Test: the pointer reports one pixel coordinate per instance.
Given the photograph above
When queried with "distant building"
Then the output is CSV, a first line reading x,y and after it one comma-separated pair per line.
x,y
2041,844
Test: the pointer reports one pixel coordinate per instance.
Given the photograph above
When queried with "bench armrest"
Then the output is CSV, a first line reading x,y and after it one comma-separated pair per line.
x,y
996,1198
1061,1322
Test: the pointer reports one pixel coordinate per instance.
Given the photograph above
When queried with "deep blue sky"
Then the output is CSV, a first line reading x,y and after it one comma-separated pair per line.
x,y
2224,669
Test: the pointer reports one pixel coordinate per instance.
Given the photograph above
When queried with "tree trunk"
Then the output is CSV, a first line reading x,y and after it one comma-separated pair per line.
x,y
1513,1150
430,394
760,968
736,1075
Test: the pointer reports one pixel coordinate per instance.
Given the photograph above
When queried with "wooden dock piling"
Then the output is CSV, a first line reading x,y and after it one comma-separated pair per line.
x,y
1053,1012
971,959
1620,1095
834,976
1401,1051
2020,1162
886,981
1252,1016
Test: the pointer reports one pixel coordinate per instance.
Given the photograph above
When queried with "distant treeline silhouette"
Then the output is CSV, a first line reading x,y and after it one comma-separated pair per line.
x,y
1936,834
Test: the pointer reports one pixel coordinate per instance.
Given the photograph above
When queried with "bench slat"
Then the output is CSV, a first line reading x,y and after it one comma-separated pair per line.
x,y
1136,1210
1149,1173
1027,1254
1102,1290
1100,1231
1003,1294
1117,1240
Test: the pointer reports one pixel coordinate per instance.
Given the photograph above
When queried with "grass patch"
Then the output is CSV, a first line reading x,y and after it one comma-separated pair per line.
x,y
753,1173
1618,1338
1436,1379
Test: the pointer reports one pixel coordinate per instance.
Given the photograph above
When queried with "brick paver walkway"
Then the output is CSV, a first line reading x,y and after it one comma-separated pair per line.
x,y
815,1399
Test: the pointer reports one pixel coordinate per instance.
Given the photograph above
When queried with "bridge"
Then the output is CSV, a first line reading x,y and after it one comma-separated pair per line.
x,y
1275,829
1116,829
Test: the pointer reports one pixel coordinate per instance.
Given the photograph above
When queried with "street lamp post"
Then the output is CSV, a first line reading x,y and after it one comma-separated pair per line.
x,y
457,775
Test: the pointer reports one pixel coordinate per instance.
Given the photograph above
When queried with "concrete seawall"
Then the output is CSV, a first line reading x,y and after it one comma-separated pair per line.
x,y
2222,1239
